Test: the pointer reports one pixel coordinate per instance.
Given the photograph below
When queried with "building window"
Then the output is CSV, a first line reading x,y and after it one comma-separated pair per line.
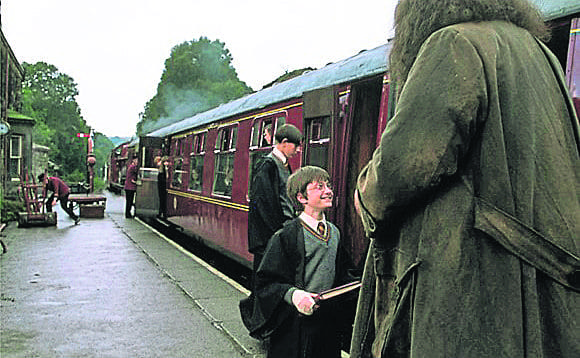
x,y
196,163
15,165
225,148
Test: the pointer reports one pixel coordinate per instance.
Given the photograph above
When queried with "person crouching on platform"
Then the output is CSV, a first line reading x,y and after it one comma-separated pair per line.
x,y
302,259
60,192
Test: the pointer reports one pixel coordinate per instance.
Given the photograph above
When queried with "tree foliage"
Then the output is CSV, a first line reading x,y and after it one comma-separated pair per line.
x,y
49,97
198,76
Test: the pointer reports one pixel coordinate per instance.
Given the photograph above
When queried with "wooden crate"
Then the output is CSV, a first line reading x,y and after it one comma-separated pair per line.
x,y
36,219
92,211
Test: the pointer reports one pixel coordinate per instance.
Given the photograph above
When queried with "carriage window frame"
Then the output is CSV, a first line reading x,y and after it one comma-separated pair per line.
x,y
318,135
258,149
224,152
197,158
177,172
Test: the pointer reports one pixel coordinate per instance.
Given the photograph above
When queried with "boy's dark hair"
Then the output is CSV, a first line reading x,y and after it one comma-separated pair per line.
x,y
41,177
298,182
290,133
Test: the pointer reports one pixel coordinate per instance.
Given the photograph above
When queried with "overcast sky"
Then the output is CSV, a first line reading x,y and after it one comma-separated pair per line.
x,y
115,49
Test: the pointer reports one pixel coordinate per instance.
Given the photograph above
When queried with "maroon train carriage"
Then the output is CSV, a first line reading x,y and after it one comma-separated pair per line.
x,y
213,153
117,165
342,109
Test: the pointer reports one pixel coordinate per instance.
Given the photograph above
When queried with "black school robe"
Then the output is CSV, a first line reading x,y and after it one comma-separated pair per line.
x,y
266,314
266,214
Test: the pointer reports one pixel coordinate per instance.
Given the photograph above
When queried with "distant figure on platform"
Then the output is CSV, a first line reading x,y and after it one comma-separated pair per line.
x,y
130,186
301,260
162,163
60,192
471,198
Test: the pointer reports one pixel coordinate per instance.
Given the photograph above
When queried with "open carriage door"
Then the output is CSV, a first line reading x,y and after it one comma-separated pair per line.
x,y
340,131
358,129
147,195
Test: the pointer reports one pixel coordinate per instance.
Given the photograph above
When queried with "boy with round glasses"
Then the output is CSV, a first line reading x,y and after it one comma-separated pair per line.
x,y
302,259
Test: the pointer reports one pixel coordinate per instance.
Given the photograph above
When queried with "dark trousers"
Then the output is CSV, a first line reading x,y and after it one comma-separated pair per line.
x,y
162,196
63,203
129,197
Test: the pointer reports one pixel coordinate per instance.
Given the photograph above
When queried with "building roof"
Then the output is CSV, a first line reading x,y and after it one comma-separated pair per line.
x,y
13,115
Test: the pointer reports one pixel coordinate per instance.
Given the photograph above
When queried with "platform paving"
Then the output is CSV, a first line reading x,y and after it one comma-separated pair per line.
x,y
113,287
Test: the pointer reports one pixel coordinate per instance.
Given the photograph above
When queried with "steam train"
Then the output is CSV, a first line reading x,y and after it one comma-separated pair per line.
x,y
342,110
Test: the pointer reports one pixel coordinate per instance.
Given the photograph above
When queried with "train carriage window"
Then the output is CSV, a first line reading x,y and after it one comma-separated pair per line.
x,y
225,149
262,140
318,133
255,139
179,170
197,157
267,134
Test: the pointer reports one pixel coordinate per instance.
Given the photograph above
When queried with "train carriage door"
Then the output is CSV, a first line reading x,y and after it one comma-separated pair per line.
x,y
318,113
359,127
147,198
340,135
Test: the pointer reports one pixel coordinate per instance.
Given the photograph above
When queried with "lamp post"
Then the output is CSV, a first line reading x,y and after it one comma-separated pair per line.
x,y
91,160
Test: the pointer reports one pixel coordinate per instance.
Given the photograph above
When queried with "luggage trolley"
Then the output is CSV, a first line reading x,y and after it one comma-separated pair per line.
x,y
35,214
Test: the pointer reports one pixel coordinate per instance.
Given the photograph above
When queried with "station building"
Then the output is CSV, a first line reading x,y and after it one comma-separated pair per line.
x,y
15,129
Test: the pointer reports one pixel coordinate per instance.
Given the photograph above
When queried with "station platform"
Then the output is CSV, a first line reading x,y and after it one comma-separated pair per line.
x,y
113,287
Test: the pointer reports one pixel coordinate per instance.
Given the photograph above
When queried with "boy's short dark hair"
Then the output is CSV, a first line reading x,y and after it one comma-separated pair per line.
x,y
290,133
298,182
41,177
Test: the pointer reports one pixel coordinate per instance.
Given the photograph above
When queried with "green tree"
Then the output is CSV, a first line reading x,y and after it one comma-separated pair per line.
x,y
102,148
49,96
198,76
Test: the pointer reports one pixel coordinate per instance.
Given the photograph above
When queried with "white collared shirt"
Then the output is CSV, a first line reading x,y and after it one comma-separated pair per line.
x,y
312,222
276,152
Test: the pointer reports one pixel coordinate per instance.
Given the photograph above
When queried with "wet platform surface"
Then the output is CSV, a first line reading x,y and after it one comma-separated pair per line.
x,y
113,287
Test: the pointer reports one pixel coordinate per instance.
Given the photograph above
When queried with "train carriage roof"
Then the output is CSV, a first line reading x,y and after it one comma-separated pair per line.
x,y
553,9
364,64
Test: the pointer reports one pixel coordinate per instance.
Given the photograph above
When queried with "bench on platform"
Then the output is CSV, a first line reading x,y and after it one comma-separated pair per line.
x,y
91,206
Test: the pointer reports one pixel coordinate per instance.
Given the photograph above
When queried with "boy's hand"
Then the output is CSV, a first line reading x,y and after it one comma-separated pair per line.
x,y
304,302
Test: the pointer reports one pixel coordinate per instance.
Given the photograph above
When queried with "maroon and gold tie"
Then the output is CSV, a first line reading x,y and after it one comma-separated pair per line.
x,y
321,228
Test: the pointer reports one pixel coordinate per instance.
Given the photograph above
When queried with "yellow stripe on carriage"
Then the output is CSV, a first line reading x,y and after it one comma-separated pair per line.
x,y
206,199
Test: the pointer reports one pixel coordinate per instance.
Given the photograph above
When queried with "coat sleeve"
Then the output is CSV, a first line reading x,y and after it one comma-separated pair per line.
x,y
266,196
265,310
430,132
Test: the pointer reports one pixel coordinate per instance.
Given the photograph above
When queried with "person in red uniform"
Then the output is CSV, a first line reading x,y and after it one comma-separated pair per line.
x,y
130,186
60,191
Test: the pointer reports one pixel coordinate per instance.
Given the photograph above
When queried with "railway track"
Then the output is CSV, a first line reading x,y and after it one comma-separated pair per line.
x,y
232,269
